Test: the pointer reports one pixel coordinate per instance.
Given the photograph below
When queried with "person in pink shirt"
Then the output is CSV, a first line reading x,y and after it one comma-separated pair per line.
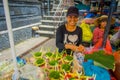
x,y
98,32
100,23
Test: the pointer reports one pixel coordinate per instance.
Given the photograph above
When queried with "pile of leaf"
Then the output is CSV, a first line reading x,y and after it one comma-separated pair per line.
x,y
101,59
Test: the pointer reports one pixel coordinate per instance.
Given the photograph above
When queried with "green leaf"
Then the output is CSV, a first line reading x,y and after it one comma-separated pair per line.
x,y
102,59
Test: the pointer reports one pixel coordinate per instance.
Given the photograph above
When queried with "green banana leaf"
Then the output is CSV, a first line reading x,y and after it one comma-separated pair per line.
x,y
101,59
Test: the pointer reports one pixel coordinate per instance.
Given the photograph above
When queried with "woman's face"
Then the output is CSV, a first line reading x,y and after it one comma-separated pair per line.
x,y
72,20
103,24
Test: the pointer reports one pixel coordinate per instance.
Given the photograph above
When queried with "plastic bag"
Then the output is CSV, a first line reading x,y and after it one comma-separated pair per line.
x,y
115,39
78,59
90,69
87,34
31,72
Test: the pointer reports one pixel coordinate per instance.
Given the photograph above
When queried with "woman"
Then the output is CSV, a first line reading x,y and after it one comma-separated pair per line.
x,y
68,35
98,32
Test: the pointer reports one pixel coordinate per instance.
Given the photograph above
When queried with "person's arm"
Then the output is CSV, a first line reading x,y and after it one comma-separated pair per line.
x,y
80,48
95,36
60,38
80,36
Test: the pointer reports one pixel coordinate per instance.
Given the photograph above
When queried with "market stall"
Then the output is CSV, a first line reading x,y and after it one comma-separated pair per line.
x,y
47,65
60,66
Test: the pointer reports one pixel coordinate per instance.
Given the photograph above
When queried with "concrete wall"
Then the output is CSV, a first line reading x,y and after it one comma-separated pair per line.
x,y
22,12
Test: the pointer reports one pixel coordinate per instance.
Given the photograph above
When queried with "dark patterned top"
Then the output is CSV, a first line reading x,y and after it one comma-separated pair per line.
x,y
63,36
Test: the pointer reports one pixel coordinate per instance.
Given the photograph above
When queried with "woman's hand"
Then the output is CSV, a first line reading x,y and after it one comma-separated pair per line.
x,y
70,46
79,48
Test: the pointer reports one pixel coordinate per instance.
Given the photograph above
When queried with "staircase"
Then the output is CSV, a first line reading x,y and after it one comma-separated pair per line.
x,y
49,23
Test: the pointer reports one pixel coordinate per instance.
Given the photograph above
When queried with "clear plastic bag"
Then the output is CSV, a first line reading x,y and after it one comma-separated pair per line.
x,y
115,39
78,59
31,72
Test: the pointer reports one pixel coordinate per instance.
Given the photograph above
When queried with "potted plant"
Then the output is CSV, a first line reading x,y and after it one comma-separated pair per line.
x,y
37,54
59,56
54,75
53,64
66,67
68,59
39,62
48,54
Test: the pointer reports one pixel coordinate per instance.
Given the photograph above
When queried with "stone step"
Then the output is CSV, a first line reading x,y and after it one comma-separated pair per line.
x,y
46,16
53,17
58,11
57,14
51,21
46,33
47,27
